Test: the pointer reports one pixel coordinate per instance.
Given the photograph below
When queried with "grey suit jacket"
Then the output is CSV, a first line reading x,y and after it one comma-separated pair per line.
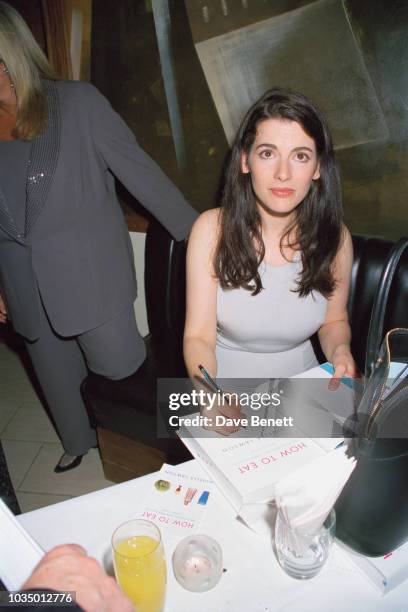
x,y
76,254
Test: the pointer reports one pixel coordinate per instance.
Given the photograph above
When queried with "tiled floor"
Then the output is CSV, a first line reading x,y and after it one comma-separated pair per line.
x,y
31,445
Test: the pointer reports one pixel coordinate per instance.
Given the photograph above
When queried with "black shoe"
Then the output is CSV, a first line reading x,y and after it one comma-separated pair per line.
x,y
67,462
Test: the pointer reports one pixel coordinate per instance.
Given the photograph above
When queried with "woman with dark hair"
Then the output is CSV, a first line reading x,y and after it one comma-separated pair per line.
x,y
272,266
67,277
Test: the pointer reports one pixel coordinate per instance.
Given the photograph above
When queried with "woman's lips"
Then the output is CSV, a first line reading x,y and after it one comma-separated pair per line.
x,y
282,193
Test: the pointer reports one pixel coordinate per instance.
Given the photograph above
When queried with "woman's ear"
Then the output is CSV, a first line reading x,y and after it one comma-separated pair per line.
x,y
317,173
244,164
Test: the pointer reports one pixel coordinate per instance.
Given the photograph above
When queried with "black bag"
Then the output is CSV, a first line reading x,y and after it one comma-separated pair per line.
x,y
372,510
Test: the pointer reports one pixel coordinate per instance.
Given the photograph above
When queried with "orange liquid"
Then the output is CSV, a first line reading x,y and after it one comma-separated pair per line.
x,y
140,569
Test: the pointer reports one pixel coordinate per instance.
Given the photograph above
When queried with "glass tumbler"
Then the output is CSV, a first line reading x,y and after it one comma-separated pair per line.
x,y
140,564
303,552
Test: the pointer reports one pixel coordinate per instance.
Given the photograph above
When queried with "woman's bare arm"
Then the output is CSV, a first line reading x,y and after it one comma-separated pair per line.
x,y
335,333
201,316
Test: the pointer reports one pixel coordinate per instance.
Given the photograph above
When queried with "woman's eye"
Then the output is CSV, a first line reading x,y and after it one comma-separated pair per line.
x,y
266,154
302,156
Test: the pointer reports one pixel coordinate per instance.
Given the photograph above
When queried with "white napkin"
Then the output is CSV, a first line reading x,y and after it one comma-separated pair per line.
x,y
306,496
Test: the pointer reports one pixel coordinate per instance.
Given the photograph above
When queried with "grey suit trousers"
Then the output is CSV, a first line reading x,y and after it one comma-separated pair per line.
x,y
114,349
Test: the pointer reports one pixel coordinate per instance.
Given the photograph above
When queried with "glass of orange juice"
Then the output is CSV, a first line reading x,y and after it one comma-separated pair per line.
x,y
140,564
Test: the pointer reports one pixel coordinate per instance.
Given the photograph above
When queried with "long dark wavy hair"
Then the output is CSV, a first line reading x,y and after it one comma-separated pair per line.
x,y
317,226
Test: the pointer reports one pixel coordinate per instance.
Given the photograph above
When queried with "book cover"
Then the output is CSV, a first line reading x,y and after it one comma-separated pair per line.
x,y
250,467
176,501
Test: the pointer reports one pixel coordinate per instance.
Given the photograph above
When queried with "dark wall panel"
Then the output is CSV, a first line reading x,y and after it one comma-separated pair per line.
x,y
349,56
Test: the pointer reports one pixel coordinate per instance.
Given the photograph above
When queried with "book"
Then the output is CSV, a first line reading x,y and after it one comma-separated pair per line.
x,y
176,501
247,469
385,572
20,553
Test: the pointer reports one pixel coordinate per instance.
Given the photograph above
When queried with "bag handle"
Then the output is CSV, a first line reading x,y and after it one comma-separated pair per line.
x,y
375,330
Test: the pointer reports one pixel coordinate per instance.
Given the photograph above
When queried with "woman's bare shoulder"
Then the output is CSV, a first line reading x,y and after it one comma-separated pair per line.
x,y
346,243
206,228
204,235
345,234
344,258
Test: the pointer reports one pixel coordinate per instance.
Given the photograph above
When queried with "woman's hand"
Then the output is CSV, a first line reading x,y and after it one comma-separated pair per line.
x,y
343,365
224,418
3,310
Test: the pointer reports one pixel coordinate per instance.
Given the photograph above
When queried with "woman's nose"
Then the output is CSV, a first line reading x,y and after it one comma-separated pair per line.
x,y
282,171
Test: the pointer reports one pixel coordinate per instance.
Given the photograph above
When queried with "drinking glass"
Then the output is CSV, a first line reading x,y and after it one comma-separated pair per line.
x,y
140,564
303,552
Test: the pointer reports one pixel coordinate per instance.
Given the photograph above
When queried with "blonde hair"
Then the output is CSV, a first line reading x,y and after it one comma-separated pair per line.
x,y
26,64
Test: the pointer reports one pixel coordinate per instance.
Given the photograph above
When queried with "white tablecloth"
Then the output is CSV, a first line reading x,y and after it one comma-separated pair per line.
x,y
253,580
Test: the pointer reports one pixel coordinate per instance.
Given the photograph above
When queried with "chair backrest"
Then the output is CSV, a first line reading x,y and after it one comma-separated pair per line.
x,y
165,288
165,284
368,263
397,310
369,259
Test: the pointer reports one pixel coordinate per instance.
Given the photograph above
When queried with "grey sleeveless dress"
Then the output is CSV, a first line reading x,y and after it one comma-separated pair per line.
x,y
267,335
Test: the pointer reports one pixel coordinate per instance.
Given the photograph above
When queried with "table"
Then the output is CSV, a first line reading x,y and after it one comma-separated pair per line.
x,y
253,581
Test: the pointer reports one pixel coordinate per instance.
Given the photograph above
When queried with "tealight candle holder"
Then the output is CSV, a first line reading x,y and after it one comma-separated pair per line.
x,y
197,563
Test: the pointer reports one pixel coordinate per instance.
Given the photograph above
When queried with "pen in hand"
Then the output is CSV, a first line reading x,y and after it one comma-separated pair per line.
x,y
214,386
209,379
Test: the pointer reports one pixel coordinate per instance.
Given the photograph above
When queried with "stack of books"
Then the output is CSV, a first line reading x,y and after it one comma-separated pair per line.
x,y
247,469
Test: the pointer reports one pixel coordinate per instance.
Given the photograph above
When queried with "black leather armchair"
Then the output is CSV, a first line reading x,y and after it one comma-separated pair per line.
x,y
124,411
369,258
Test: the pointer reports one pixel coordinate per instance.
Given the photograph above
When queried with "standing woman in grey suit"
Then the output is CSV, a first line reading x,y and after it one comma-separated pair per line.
x,y
67,278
